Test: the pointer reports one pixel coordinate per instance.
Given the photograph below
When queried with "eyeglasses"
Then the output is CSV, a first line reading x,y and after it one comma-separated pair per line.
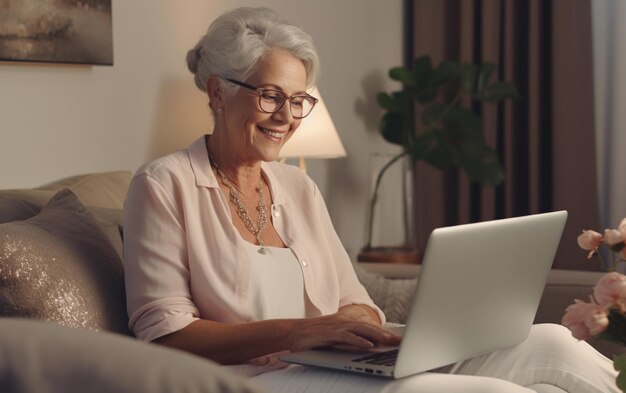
x,y
271,100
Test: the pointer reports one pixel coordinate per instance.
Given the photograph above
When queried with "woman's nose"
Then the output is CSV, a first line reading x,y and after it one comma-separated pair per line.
x,y
284,113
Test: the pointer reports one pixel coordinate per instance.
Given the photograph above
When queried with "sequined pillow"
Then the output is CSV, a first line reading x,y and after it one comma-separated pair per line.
x,y
59,266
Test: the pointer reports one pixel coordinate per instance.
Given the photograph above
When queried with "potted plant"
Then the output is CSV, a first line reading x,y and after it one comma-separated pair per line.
x,y
432,120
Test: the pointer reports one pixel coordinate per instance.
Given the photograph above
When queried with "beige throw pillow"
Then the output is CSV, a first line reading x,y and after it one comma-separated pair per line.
x,y
107,189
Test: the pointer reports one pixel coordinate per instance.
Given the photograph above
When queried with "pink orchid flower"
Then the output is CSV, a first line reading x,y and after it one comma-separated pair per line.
x,y
622,226
589,240
612,237
610,291
585,320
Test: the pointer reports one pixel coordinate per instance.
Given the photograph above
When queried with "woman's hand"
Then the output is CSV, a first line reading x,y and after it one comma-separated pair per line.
x,y
360,312
351,327
252,342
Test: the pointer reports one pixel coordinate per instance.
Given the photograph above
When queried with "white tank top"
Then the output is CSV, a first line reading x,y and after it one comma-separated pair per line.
x,y
276,284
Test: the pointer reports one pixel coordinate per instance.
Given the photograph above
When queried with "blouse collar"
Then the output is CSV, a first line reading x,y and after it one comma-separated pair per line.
x,y
201,167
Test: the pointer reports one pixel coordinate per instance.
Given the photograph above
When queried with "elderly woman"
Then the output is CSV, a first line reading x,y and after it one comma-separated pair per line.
x,y
233,256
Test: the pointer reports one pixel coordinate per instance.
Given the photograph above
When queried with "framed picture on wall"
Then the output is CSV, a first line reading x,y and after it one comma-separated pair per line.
x,y
57,31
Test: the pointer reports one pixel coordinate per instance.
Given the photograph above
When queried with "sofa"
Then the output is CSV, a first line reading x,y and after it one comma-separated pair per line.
x,y
63,321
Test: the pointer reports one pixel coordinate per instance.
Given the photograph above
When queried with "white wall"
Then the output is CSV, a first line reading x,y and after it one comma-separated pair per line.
x,y
61,120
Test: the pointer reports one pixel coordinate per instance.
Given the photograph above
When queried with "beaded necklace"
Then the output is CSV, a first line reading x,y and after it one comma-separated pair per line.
x,y
242,211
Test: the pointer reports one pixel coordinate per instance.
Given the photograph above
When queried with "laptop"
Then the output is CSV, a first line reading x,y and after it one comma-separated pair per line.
x,y
479,290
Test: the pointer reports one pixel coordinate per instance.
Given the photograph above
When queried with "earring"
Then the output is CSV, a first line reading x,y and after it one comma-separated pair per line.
x,y
220,110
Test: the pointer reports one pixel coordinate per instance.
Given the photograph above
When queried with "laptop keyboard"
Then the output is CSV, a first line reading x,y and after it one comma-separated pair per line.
x,y
386,358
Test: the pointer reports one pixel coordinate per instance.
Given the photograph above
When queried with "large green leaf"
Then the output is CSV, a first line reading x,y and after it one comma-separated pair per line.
x,y
421,145
461,121
422,71
432,114
450,73
480,162
446,72
424,89
498,91
391,127
403,75
388,103
619,364
440,157
426,94
443,154
404,98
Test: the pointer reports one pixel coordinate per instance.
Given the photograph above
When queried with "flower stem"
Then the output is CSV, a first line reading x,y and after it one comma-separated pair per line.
x,y
606,266
375,195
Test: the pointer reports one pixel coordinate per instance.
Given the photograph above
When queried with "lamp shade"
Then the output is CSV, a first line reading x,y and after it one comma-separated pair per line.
x,y
316,137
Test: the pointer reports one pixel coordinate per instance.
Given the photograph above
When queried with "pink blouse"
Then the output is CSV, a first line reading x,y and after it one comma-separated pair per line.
x,y
184,259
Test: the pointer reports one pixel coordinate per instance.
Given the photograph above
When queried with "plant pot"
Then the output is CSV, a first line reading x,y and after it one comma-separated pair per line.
x,y
398,254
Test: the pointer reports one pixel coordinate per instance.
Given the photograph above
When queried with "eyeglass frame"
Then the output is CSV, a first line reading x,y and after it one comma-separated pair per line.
x,y
260,90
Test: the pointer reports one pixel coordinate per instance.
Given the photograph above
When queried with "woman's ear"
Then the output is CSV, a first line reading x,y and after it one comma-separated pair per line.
x,y
215,91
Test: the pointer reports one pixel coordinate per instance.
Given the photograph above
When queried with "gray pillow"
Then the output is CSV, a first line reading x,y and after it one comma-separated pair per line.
x,y
15,209
393,296
19,207
36,356
110,221
59,266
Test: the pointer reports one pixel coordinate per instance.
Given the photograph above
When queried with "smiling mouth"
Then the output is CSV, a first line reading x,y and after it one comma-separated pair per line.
x,y
273,134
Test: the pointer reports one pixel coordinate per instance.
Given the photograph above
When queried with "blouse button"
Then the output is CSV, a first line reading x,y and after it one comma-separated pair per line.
x,y
305,263
275,211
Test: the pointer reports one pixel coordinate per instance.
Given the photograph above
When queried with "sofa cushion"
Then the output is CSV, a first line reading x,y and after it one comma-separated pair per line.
x,y
59,266
15,209
110,221
107,189
36,356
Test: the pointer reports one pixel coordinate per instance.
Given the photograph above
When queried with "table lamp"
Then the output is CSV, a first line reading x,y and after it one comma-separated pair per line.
x,y
315,138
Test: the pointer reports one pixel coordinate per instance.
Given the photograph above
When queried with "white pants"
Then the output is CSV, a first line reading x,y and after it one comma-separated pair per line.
x,y
550,355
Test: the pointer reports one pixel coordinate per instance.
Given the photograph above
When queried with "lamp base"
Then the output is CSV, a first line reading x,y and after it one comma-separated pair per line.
x,y
398,254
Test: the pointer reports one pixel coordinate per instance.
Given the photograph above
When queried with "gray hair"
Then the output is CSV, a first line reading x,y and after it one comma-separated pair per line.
x,y
237,39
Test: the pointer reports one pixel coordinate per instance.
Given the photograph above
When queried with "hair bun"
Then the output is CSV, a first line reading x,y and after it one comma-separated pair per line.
x,y
193,58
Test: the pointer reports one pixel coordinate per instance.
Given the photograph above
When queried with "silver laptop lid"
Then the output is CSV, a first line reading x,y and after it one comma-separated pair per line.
x,y
479,289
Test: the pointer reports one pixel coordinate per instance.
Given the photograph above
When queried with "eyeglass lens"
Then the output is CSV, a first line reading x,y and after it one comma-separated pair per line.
x,y
272,100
